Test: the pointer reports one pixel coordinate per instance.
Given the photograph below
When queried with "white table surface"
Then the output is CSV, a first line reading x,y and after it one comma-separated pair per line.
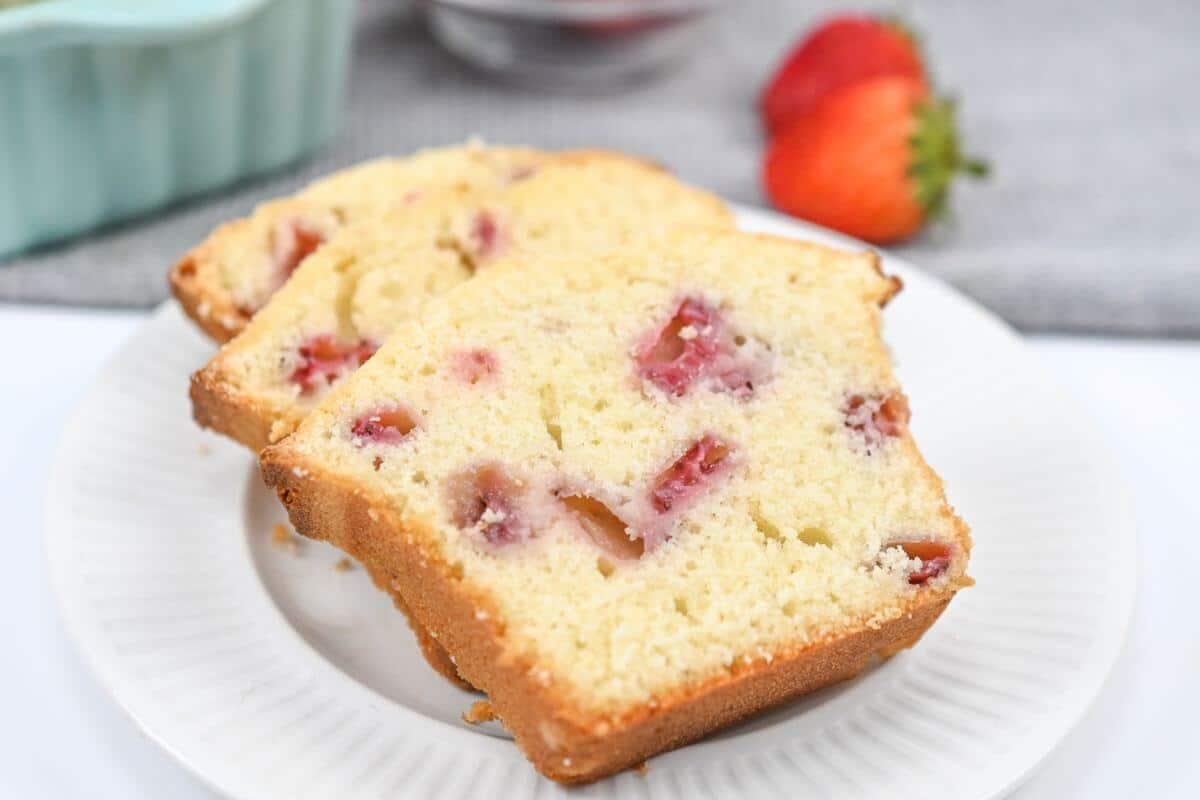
x,y
62,737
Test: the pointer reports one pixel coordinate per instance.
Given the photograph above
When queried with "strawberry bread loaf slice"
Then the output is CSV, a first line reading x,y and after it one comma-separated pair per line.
x,y
345,299
222,282
639,496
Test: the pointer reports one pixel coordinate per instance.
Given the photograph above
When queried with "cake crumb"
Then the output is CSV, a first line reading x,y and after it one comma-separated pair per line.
x,y
282,538
641,769
205,449
480,711
300,472
344,565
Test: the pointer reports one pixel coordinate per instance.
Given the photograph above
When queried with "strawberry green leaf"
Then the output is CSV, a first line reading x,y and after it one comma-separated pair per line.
x,y
937,157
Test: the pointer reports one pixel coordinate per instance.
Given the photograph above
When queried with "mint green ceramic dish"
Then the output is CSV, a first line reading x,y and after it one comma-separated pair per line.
x,y
111,108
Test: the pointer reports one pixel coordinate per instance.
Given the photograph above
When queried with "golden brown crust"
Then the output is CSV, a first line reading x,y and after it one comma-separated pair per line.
x,y
431,648
213,311
584,156
895,285
563,743
217,406
195,303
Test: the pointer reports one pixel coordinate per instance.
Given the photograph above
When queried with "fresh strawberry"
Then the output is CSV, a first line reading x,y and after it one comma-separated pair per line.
x,y
873,160
844,50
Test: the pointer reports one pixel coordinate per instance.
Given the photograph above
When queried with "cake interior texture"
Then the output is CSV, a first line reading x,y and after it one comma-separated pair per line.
x,y
345,299
232,274
641,471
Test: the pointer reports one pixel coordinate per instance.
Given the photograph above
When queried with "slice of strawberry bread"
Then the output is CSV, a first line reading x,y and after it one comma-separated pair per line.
x,y
345,299
642,495
222,282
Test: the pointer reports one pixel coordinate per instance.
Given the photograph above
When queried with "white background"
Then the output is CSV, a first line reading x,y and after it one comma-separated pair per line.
x,y
61,736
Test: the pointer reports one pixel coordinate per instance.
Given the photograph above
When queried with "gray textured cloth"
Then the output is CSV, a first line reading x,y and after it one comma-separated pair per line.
x,y
1087,110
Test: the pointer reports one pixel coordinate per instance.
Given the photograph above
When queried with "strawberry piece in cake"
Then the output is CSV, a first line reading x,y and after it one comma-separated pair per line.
x,y
697,346
293,240
486,500
323,359
385,425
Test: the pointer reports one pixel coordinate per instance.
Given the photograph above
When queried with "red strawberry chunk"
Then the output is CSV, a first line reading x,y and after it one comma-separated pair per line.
x,y
695,346
691,474
604,528
487,499
324,359
292,241
487,238
934,556
474,365
385,425
876,417
672,361
521,173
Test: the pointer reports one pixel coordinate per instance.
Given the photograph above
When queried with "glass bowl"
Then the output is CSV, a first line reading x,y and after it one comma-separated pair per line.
x,y
569,43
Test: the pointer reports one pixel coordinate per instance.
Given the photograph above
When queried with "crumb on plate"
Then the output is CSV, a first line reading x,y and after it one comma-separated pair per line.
x,y
282,538
480,711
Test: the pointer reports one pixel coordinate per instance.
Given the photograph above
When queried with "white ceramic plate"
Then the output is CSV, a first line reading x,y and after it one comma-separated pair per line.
x,y
273,675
